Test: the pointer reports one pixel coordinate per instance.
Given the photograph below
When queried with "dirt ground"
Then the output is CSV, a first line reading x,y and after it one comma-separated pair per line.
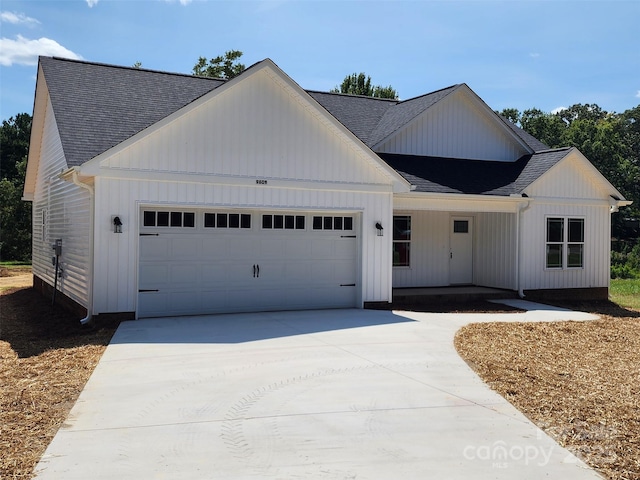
x,y
579,381
46,357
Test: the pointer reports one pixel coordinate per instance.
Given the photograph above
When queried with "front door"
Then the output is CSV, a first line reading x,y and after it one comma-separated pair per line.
x,y
461,251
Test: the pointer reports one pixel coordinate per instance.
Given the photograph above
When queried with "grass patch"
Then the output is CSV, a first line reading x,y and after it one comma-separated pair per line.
x,y
14,263
626,292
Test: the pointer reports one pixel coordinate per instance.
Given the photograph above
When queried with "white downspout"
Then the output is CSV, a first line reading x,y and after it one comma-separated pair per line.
x,y
76,181
522,207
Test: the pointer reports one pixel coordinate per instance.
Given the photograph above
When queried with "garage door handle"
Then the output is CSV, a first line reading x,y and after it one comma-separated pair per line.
x,y
254,271
258,270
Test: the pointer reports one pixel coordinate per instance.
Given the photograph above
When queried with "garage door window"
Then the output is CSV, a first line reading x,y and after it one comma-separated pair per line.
x,y
332,223
227,220
283,222
151,218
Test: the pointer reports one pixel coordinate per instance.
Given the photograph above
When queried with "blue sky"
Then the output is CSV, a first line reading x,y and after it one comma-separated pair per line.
x,y
521,54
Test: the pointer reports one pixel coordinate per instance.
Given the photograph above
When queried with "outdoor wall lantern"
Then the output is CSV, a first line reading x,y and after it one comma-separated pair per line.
x,y
379,227
117,225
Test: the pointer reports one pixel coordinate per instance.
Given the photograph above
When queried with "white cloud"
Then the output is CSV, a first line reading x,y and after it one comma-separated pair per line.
x,y
558,110
638,94
534,55
17,18
92,3
181,2
23,51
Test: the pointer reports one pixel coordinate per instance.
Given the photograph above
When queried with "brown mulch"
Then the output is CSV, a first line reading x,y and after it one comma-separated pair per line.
x,y
578,381
46,357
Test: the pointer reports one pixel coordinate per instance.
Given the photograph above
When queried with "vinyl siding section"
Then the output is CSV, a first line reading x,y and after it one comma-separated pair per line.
x,y
597,235
429,255
116,268
567,180
212,155
67,216
567,190
258,129
455,127
495,250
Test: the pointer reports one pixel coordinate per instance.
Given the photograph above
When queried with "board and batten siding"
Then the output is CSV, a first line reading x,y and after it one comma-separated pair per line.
x,y
494,249
597,236
568,190
258,129
429,251
116,270
455,127
66,210
218,153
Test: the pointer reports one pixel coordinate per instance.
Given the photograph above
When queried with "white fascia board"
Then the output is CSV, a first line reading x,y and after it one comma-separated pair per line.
x,y
244,181
400,184
590,169
35,141
463,197
92,167
493,116
473,96
406,125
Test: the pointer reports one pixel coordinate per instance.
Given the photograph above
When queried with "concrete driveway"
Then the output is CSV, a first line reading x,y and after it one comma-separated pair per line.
x,y
334,394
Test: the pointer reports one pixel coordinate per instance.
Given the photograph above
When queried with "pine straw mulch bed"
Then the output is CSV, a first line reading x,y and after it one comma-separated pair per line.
x,y
46,357
578,381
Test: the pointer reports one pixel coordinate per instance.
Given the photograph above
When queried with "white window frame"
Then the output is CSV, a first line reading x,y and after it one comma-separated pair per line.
x,y
565,243
399,241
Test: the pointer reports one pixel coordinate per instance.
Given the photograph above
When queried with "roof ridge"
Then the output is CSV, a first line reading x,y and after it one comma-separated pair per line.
x,y
367,97
432,93
549,150
124,67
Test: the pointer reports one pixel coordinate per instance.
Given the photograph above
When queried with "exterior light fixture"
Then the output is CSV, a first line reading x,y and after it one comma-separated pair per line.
x,y
117,225
379,227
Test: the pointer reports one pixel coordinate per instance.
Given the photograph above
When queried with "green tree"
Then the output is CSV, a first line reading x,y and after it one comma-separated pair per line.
x,y
546,127
511,114
15,215
223,66
360,84
14,143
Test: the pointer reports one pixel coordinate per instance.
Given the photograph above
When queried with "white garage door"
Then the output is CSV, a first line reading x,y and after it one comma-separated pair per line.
x,y
198,262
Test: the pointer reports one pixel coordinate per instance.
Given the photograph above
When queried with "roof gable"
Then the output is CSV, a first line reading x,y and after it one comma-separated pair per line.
x,y
256,117
574,177
452,123
404,112
97,106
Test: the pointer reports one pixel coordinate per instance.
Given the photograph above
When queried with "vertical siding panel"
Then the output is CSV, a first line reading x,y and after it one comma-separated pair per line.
x,y
67,217
597,237
454,127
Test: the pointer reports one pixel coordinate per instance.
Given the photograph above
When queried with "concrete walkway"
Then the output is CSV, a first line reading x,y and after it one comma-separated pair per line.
x,y
334,394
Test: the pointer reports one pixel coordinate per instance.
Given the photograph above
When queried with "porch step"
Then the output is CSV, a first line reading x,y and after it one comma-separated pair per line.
x,y
435,295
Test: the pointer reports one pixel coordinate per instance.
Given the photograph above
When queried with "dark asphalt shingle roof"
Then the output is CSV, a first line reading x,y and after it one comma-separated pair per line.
x,y
98,106
360,115
402,113
480,177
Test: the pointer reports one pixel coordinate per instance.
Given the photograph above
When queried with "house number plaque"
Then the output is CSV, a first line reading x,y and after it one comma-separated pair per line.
x,y
261,182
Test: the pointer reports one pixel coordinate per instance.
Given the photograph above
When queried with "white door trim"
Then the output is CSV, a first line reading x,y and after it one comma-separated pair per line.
x,y
460,250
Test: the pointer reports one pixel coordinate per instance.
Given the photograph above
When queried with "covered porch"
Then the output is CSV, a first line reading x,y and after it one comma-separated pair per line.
x,y
453,246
